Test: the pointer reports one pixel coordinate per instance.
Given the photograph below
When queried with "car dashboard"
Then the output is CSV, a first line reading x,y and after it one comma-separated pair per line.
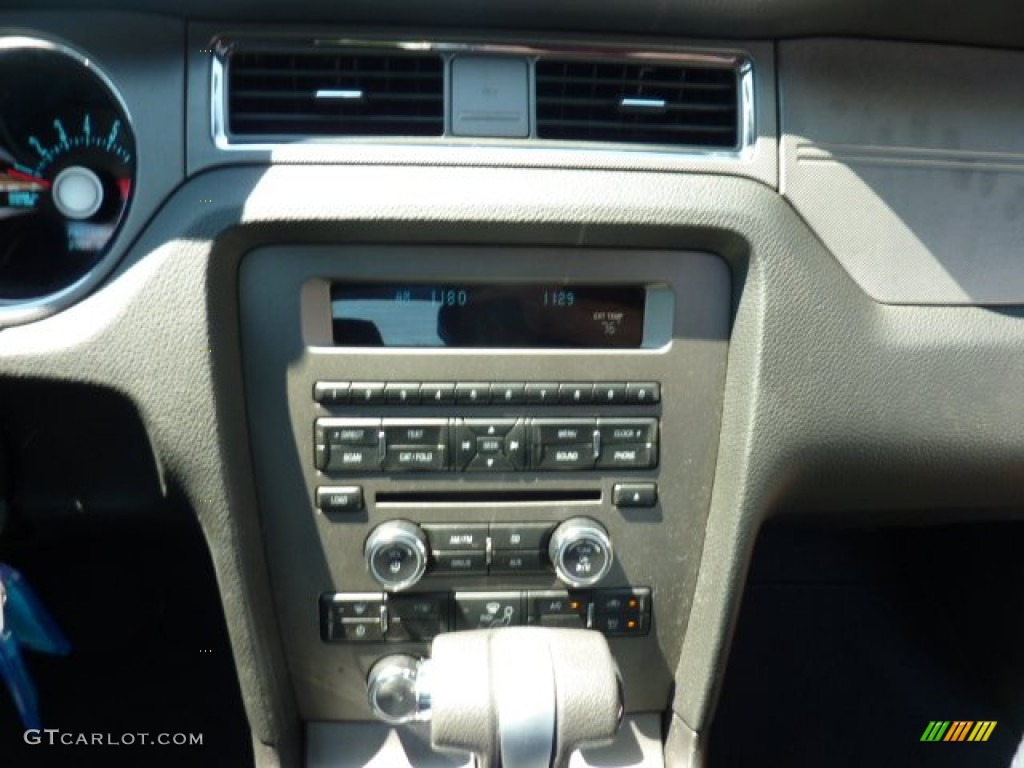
x,y
421,328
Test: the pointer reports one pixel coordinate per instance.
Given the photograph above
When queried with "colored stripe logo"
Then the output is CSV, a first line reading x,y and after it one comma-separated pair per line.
x,y
958,730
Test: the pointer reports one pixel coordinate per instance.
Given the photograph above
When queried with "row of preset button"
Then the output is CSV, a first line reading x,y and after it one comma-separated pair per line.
x,y
486,393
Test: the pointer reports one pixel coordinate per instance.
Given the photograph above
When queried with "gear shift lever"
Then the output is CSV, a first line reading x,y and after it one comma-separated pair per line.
x,y
517,697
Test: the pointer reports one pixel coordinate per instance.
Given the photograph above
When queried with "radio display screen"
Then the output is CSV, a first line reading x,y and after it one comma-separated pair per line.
x,y
505,315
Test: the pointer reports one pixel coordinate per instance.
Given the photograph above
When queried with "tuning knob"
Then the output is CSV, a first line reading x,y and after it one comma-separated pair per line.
x,y
581,552
396,554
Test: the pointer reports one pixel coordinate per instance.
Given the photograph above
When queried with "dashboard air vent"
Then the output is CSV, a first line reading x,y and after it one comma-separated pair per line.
x,y
335,93
641,103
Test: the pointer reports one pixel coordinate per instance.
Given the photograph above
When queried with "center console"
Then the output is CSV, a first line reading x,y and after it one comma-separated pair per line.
x,y
458,438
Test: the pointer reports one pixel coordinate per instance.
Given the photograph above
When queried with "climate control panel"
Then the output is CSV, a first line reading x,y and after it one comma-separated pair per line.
x,y
374,617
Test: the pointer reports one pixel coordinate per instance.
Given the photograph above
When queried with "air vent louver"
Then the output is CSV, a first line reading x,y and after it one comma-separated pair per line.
x,y
657,103
336,93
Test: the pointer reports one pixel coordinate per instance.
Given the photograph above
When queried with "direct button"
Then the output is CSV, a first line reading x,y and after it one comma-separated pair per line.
x,y
350,431
346,498
634,494
461,536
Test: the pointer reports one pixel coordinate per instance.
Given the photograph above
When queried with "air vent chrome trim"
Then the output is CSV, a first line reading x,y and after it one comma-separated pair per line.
x,y
738,60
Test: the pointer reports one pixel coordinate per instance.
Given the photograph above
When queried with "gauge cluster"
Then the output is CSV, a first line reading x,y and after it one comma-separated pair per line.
x,y
67,168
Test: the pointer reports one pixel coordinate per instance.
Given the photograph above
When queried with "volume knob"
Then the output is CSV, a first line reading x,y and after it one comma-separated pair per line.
x,y
396,554
581,552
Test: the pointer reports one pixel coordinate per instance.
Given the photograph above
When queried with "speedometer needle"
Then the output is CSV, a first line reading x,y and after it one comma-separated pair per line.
x,y
14,174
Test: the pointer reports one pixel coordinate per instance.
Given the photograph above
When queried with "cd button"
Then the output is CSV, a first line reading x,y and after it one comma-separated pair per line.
x,y
574,456
520,536
578,393
416,458
542,394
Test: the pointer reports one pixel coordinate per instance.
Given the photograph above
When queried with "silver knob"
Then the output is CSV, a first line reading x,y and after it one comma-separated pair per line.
x,y
398,689
581,552
396,554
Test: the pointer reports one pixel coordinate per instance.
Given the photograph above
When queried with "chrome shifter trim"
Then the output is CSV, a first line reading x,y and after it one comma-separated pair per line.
x,y
524,696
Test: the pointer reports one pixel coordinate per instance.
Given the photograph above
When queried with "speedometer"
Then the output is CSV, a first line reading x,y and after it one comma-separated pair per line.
x,y
67,168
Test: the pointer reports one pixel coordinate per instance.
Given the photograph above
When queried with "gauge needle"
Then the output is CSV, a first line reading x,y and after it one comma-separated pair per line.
x,y
15,174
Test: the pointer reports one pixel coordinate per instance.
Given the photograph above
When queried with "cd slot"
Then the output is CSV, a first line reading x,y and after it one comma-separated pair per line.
x,y
488,497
